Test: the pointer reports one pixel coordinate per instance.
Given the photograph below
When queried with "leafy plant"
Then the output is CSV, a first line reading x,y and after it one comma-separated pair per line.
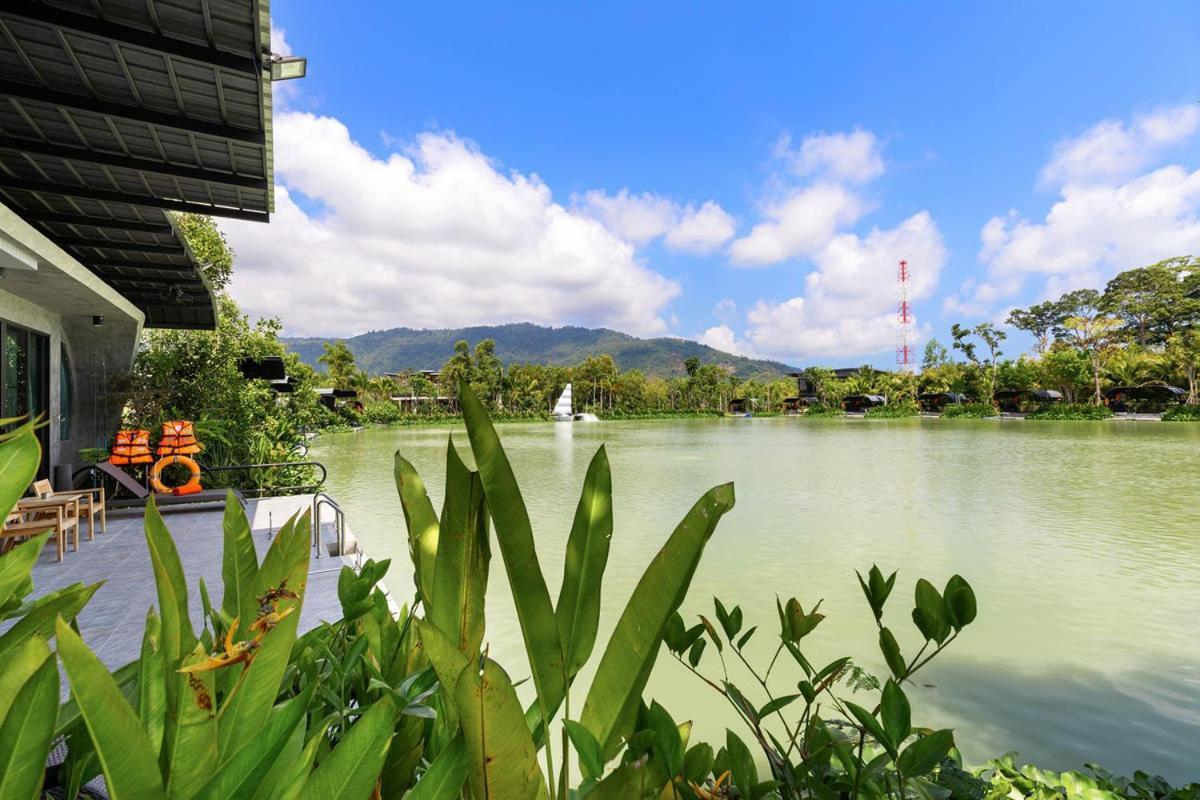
x,y
970,410
451,557
894,410
845,750
1066,411
1182,413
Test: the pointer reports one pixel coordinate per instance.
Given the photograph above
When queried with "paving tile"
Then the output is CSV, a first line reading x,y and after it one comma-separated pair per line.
x,y
112,622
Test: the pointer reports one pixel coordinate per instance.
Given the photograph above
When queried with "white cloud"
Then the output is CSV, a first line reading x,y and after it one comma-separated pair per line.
x,y
1106,219
853,157
799,225
644,217
800,218
436,236
1113,150
725,309
722,338
848,307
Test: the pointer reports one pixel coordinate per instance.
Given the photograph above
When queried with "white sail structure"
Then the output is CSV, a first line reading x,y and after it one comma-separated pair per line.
x,y
563,411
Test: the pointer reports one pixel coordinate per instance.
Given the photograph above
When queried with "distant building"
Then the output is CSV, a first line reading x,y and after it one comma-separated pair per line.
x,y
937,401
859,403
1019,401
1144,399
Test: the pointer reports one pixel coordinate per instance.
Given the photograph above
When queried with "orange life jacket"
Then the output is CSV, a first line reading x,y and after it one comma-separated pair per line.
x,y
132,446
178,439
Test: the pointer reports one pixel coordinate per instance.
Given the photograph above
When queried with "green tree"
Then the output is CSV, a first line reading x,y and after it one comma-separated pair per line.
x,y
339,363
458,368
1039,321
991,337
1183,354
1064,369
935,355
487,373
1152,301
1096,336
208,245
691,364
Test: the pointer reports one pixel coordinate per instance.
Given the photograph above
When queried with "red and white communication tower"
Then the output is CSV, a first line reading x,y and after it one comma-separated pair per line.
x,y
905,357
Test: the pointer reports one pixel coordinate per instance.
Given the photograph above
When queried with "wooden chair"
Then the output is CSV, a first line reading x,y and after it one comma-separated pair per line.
x,y
33,517
95,502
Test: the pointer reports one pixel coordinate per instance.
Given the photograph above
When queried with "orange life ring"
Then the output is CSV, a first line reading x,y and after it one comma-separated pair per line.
x,y
191,487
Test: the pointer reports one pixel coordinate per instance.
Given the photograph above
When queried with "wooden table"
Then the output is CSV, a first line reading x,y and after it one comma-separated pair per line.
x,y
60,504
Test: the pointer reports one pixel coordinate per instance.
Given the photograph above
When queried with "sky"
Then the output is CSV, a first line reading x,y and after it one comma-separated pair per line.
x,y
745,177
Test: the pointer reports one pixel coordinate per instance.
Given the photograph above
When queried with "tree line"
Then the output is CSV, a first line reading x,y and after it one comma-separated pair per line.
x,y
1142,329
598,385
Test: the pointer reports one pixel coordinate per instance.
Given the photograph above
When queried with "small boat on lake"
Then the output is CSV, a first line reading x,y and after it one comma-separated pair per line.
x,y
564,410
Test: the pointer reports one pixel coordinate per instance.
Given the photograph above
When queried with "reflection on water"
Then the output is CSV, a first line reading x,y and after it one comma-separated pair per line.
x,y
1081,540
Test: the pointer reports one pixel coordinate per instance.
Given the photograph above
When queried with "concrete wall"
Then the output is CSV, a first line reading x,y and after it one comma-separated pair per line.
x,y
95,354
44,289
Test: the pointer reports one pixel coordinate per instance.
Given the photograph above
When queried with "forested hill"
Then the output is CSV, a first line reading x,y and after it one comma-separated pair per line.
x,y
406,348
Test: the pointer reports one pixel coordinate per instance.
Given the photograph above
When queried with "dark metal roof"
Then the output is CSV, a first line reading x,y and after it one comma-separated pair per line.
x,y
115,111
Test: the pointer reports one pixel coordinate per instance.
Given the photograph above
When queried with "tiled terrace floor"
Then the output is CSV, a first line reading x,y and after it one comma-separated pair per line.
x,y
112,622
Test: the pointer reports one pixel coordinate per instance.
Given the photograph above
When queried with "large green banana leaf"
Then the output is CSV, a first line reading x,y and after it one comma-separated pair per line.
x,y
422,524
611,706
239,564
246,769
39,618
462,557
20,456
352,767
177,636
18,666
17,564
445,776
578,608
514,533
284,566
500,749
26,732
191,735
127,759
152,682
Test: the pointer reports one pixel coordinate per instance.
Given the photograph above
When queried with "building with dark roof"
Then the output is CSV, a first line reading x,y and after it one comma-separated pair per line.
x,y
114,113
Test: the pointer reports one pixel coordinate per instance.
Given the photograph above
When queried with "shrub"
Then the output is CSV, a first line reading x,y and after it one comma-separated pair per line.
x,y
381,412
1057,411
905,408
1185,413
970,410
819,410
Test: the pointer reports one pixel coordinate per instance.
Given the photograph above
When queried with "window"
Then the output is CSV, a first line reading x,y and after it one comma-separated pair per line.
x,y
25,380
65,399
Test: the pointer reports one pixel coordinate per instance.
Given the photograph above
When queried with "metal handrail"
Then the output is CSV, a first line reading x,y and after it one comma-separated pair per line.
x,y
321,499
308,487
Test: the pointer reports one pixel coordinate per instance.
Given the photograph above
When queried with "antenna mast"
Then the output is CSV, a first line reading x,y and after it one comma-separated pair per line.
x,y
905,357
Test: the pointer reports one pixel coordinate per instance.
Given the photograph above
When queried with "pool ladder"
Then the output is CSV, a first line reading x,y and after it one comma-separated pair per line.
x,y
320,501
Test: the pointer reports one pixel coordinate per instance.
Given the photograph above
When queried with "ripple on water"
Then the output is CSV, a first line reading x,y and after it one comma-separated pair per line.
x,y
1081,540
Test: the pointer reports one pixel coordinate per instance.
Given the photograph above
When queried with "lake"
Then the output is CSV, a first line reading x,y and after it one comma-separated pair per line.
x,y
1082,541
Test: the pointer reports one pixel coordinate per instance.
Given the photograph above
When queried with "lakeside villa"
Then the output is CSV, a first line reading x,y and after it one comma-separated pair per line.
x,y
108,122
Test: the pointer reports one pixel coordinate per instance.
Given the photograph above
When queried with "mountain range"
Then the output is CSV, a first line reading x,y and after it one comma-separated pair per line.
x,y
399,349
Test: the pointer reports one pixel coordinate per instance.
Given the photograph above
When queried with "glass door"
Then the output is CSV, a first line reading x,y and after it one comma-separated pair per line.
x,y
25,383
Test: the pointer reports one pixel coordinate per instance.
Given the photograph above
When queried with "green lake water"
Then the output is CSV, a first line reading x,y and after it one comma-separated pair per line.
x,y
1082,541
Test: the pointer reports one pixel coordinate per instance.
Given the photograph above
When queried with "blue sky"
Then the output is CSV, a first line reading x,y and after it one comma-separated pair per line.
x,y
744,177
